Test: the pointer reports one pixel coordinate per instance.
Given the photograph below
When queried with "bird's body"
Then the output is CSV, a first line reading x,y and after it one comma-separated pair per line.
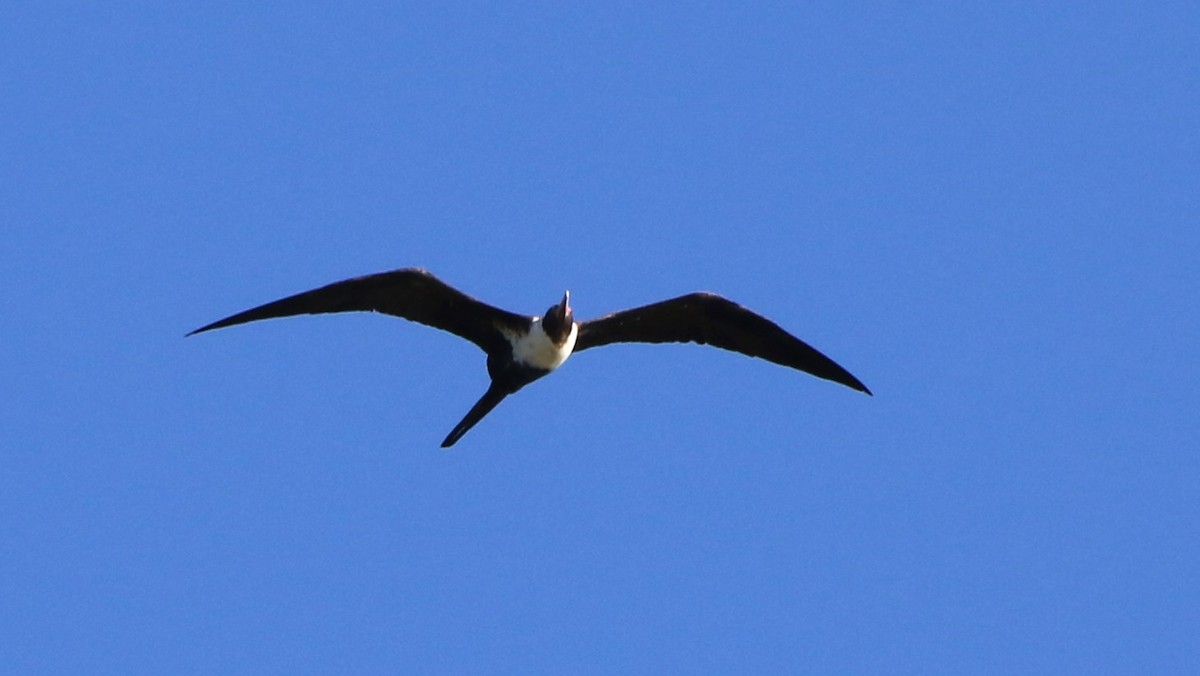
x,y
538,350
521,349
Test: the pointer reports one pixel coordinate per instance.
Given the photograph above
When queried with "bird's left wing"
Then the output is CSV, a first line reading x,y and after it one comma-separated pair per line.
x,y
709,319
410,293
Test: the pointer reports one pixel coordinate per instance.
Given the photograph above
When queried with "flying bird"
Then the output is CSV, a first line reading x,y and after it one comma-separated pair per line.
x,y
520,349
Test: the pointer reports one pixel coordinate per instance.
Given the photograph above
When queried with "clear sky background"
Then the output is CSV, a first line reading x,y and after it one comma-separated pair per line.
x,y
986,211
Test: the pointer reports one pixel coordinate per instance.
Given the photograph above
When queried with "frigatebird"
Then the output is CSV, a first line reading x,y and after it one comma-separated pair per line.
x,y
520,349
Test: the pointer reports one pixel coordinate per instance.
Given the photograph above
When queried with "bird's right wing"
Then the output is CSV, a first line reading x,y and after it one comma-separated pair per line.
x,y
410,293
709,319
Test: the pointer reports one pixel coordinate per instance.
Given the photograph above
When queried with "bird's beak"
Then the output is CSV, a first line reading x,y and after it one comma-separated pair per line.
x,y
566,303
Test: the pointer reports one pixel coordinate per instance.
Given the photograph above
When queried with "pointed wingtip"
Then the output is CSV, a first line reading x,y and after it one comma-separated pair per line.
x,y
841,376
202,329
856,384
219,324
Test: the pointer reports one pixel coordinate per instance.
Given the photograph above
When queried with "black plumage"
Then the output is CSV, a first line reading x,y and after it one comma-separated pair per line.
x,y
521,349
709,319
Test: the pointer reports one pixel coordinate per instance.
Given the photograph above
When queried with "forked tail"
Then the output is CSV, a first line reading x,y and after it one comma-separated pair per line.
x,y
494,395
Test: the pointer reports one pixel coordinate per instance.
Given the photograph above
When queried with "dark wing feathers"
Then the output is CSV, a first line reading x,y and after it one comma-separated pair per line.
x,y
709,319
411,293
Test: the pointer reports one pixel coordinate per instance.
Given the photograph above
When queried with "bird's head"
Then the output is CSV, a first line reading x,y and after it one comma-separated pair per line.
x,y
558,320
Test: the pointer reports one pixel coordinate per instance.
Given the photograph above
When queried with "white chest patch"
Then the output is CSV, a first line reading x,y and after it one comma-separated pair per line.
x,y
537,350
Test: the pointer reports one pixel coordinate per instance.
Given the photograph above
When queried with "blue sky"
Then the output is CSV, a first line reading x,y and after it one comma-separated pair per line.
x,y
986,212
